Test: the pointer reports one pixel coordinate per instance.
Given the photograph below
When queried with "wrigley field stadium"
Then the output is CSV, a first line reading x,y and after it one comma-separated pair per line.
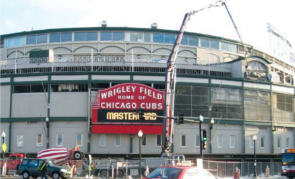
x,y
68,87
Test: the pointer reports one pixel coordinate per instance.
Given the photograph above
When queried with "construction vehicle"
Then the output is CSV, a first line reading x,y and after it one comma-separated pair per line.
x,y
13,160
170,80
61,155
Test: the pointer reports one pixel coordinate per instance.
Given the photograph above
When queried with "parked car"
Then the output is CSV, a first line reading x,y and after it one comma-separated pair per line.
x,y
29,168
180,172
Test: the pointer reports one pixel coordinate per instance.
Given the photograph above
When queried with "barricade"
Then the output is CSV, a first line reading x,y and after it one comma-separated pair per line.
x,y
237,173
4,169
267,171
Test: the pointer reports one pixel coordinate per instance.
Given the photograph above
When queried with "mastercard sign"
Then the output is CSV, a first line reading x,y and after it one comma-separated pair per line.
x,y
115,110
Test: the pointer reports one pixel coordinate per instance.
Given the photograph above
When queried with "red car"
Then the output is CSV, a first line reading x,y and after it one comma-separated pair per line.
x,y
181,172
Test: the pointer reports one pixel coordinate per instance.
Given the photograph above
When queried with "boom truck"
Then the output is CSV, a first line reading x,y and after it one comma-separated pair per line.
x,y
170,80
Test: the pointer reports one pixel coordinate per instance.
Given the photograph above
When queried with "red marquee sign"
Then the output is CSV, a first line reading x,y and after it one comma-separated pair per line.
x,y
115,110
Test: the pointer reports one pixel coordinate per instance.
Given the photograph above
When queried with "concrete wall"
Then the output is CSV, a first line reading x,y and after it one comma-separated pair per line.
x,y
226,131
69,131
29,105
69,104
5,101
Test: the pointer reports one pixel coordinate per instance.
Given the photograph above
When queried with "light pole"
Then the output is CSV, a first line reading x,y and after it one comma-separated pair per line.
x,y
47,132
139,137
211,127
254,140
200,133
3,139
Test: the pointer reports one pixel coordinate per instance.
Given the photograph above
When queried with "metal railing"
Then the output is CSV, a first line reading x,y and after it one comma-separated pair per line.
x,y
87,63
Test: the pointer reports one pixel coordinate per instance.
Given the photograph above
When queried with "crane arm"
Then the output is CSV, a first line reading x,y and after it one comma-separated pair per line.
x,y
170,80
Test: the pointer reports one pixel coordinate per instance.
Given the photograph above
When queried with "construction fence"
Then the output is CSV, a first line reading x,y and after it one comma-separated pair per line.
x,y
223,169
115,168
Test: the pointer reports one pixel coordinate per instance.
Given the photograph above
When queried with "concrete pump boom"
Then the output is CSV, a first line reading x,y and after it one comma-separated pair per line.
x,y
170,80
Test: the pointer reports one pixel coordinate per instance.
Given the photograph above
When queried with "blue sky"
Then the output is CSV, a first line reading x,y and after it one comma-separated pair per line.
x,y
251,16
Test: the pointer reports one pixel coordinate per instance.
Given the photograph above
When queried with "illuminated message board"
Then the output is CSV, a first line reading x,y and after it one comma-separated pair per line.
x,y
115,110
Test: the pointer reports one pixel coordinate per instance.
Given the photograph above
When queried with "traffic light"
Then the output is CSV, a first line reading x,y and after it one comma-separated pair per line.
x,y
141,114
204,139
204,135
181,119
204,145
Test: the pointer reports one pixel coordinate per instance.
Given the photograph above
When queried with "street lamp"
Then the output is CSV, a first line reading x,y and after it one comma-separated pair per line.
x,y
254,140
139,137
211,123
200,133
3,137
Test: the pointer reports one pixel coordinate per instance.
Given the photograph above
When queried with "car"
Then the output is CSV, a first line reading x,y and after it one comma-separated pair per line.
x,y
29,168
180,172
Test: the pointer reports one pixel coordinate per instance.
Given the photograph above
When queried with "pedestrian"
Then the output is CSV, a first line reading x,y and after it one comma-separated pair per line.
x,y
43,169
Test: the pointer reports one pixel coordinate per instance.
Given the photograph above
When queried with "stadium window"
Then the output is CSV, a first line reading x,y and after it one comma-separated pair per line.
x,y
158,38
29,88
118,36
96,86
183,140
80,36
85,36
31,39
159,141
118,140
169,39
144,140
138,37
42,39
102,140
206,43
14,41
79,140
159,86
219,141
232,141
229,47
19,140
59,140
39,140
106,36
66,37
184,40
262,142
214,44
112,36
54,37
69,87
1,42
91,36
193,41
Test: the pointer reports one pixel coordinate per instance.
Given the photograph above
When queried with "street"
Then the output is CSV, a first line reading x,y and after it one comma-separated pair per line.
x,y
271,177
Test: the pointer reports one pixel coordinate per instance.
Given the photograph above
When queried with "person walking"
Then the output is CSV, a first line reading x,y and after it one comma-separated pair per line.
x,y
43,169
